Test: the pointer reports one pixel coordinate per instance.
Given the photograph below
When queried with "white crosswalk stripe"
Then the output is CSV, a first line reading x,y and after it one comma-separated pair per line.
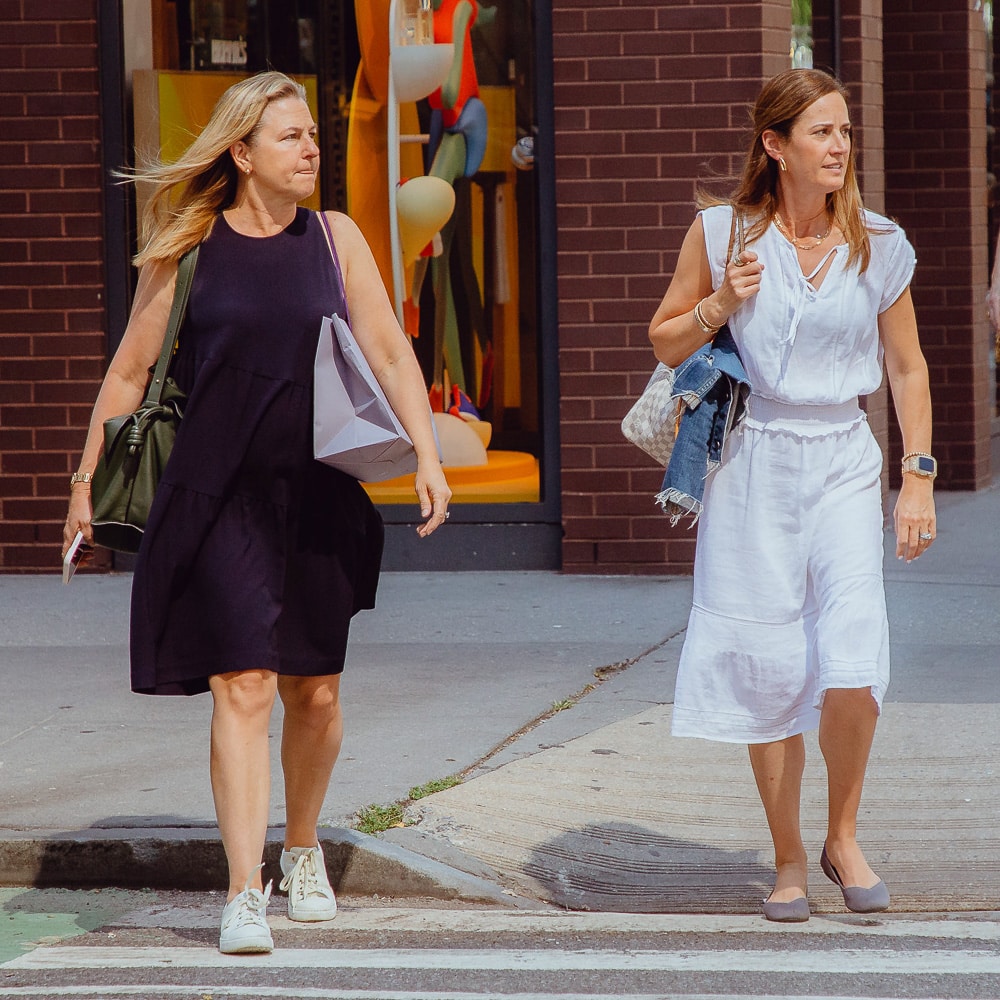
x,y
228,991
492,922
857,961
468,949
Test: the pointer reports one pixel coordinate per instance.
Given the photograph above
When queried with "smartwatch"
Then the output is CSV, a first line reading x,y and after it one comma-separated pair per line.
x,y
920,465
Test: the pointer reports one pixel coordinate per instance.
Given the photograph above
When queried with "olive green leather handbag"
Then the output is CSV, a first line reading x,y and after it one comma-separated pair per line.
x,y
137,445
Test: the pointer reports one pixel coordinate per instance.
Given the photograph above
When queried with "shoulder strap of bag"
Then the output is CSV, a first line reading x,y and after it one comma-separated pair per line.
x,y
328,233
182,289
736,237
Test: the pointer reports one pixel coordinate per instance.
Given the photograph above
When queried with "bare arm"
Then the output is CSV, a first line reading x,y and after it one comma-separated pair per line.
x,y
125,382
911,396
391,357
674,331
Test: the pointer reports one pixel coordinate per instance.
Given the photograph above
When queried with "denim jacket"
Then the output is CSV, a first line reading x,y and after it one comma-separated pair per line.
x,y
714,388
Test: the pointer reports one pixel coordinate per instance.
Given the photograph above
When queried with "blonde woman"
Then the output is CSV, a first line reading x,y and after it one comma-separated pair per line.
x,y
788,628
256,556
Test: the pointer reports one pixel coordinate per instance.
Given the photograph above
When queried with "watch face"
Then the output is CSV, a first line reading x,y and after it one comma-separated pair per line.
x,y
925,464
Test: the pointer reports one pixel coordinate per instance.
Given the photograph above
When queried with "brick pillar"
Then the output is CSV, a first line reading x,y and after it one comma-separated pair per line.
x,y
650,97
936,183
861,69
52,344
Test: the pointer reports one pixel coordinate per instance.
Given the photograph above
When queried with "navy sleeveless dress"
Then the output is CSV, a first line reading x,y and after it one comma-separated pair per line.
x,y
255,556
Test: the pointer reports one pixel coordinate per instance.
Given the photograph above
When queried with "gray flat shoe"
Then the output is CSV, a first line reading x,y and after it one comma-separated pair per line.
x,y
856,898
795,911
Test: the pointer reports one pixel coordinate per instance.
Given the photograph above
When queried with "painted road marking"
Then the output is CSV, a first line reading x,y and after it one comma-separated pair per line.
x,y
400,919
838,961
292,993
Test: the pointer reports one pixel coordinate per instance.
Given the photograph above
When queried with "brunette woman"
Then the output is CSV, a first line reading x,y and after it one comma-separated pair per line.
x,y
788,628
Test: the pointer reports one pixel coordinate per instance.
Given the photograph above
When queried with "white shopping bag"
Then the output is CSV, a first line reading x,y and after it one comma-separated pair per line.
x,y
354,427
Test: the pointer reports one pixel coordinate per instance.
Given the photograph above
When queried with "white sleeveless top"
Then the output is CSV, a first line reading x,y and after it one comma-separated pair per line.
x,y
804,345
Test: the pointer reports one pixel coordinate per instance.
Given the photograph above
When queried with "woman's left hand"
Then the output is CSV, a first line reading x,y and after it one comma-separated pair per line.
x,y
434,494
914,517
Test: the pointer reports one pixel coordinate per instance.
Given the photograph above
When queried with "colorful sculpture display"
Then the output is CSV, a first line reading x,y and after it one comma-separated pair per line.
x,y
458,135
382,120
402,183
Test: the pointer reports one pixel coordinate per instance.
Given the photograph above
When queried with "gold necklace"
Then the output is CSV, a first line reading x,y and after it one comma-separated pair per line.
x,y
820,238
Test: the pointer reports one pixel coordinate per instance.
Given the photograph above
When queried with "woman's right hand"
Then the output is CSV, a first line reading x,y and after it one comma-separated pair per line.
x,y
124,383
742,281
674,331
78,518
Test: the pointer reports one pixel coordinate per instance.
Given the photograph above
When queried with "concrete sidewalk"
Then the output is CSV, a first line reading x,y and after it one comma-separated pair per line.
x,y
596,807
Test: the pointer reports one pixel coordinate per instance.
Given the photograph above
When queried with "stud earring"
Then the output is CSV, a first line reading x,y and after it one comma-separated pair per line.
x,y
781,163
246,170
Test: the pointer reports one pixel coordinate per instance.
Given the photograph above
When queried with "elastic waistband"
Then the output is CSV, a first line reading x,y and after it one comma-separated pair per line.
x,y
761,410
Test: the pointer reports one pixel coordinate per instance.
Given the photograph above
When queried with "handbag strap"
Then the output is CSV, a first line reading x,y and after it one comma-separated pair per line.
x,y
328,233
736,235
182,289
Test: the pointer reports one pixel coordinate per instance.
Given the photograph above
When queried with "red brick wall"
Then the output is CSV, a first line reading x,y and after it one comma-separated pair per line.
x,y
935,120
52,345
650,97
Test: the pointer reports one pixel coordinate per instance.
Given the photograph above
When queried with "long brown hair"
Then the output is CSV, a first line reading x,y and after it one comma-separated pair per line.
x,y
778,106
191,192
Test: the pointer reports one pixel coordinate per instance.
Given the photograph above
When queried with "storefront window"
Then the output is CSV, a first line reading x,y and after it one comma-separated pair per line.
x,y
228,35
456,147
801,51
439,178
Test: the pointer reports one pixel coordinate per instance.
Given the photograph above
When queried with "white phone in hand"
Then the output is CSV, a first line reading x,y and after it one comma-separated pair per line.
x,y
74,554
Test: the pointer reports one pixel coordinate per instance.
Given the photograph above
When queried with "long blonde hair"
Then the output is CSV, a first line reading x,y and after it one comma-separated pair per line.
x,y
778,106
190,193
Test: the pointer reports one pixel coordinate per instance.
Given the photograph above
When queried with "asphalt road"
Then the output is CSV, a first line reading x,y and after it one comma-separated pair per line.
x,y
57,943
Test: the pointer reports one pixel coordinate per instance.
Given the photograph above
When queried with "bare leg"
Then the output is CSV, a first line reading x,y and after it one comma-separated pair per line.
x,y
846,730
310,743
778,768
241,768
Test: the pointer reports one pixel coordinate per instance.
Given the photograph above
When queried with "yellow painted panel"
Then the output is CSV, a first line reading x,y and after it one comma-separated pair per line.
x,y
501,122
185,104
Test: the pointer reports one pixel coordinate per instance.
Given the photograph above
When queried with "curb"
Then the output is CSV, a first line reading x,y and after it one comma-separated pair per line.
x,y
191,858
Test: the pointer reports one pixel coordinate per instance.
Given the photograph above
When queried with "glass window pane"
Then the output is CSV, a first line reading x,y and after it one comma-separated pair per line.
x,y
802,41
464,284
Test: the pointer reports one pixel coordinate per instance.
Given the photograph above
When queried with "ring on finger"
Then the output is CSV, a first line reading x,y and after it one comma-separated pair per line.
x,y
925,536
739,261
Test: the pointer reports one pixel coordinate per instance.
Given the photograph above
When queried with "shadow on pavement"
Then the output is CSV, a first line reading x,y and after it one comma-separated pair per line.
x,y
623,868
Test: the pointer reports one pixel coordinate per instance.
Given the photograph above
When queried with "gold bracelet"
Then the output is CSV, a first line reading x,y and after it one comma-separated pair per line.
x,y
709,329
80,477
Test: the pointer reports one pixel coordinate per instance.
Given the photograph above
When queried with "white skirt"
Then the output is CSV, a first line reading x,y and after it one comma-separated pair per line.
x,y
788,593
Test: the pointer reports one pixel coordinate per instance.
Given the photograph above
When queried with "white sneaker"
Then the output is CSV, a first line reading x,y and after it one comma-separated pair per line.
x,y
244,922
310,896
